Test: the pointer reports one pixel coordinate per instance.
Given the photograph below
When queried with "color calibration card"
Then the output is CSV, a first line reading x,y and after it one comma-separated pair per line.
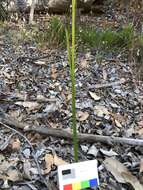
x,y
78,176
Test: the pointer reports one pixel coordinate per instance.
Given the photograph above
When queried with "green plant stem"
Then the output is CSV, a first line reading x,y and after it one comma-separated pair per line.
x,y
74,128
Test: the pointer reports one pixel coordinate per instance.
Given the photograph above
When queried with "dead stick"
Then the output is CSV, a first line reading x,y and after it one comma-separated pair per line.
x,y
60,133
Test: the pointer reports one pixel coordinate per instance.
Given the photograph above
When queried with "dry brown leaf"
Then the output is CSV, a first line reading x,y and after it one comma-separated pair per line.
x,y
118,124
41,98
82,116
120,118
104,75
15,144
83,63
69,97
29,105
15,113
140,124
100,111
121,173
94,96
116,168
13,175
108,152
140,131
58,161
129,178
5,165
7,75
40,62
54,125
141,166
54,72
49,160
8,171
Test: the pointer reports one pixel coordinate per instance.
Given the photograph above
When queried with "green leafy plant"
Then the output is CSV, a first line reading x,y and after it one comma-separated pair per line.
x,y
71,59
53,34
107,40
57,31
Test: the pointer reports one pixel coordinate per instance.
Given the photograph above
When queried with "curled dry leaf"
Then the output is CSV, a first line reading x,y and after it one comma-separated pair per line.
x,y
30,105
49,160
108,153
58,161
118,124
52,107
9,172
54,72
139,129
100,111
94,96
82,116
83,64
105,75
15,144
141,166
121,173
40,62
2,157
13,175
140,124
118,117
41,98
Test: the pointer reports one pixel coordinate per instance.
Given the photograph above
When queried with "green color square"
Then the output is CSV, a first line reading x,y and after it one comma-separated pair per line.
x,y
85,184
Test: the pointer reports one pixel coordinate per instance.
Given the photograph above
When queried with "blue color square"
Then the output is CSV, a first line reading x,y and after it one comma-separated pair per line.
x,y
93,183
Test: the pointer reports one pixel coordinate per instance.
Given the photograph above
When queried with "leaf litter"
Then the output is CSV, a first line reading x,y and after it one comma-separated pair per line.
x,y
36,90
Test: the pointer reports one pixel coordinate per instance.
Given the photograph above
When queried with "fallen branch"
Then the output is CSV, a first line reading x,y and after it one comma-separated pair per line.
x,y
82,138
60,133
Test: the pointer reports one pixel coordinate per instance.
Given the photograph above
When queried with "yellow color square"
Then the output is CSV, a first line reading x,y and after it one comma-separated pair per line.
x,y
76,186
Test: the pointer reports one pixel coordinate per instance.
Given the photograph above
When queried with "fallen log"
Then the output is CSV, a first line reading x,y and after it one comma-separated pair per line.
x,y
89,138
60,133
52,6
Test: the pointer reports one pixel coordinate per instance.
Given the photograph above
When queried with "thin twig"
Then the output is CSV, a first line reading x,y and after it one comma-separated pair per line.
x,y
33,152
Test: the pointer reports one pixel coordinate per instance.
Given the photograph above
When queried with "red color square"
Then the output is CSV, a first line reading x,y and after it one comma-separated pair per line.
x,y
68,187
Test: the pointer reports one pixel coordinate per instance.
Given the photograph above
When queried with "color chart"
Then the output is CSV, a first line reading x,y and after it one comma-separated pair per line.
x,y
82,185
78,176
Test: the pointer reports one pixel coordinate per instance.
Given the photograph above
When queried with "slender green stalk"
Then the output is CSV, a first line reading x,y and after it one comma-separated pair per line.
x,y
71,59
75,140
